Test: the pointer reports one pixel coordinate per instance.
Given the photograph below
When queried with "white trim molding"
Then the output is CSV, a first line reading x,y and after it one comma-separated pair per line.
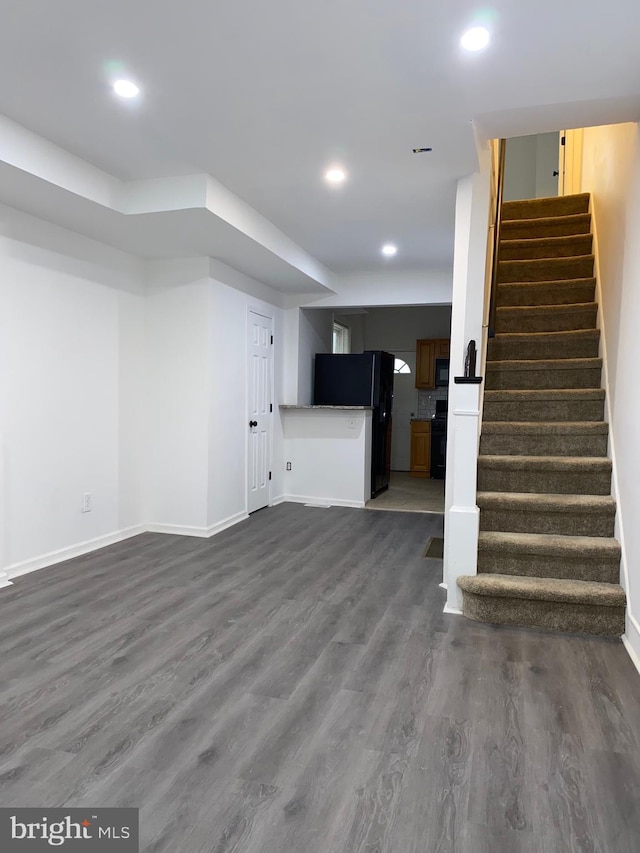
x,y
321,501
631,638
59,556
52,558
200,532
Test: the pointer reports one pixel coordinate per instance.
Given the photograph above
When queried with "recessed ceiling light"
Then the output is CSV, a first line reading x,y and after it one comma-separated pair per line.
x,y
335,175
475,39
126,88
389,250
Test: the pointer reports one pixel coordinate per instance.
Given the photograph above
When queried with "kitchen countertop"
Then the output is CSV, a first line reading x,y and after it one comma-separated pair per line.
x,y
345,408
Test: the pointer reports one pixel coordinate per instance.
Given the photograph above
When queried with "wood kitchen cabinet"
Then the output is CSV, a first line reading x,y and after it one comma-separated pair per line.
x,y
427,351
443,348
425,364
420,448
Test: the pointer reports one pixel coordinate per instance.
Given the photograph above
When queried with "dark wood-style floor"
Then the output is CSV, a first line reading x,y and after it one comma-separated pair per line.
x,y
292,686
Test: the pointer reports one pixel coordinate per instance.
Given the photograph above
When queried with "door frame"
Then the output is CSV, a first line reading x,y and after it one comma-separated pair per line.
x,y
570,168
269,315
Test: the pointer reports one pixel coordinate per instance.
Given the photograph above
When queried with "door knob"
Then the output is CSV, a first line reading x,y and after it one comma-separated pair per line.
x,y
555,173
253,423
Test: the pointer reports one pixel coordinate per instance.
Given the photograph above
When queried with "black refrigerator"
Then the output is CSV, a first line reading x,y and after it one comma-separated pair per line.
x,y
363,379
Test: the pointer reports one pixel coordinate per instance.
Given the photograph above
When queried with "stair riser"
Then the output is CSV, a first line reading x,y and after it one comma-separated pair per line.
x,y
556,293
544,482
547,566
522,320
505,444
563,410
545,270
504,350
551,616
522,380
567,205
564,226
579,245
556,523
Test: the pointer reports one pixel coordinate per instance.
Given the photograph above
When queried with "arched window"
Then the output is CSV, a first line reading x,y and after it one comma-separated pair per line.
x,y
400,366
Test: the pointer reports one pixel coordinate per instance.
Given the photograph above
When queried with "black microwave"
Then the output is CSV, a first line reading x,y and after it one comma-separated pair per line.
x,y
442,371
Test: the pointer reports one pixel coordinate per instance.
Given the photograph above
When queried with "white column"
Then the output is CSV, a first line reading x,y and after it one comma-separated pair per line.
x,y
463,516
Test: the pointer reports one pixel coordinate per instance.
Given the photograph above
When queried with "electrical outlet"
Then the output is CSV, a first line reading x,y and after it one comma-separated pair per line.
x,y
87,502
288,466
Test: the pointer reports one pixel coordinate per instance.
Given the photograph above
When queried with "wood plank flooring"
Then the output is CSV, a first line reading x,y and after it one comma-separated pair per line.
x,y
292,686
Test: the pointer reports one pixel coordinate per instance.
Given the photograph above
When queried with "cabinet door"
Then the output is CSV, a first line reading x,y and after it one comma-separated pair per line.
x,y
425,364
420,449
443,348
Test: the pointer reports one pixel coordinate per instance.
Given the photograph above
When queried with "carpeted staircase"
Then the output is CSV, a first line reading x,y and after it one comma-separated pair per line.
x,y
546,555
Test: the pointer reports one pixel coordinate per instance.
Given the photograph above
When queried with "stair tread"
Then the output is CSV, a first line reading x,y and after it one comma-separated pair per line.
x,y
551,463
557,282
544,394
568,260
550,220
553,205
544,364
544,589
549,544
561,240
552,336
546,502
562,307
546,427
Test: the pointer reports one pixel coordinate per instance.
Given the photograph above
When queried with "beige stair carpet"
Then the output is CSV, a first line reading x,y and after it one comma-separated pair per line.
x,y
547,557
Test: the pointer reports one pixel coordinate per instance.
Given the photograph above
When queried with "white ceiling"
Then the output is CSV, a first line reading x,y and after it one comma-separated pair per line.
x,y
263,95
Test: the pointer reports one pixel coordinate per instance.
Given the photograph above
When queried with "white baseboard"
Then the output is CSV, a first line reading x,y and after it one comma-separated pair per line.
x,y
227,522
280,499
201,532
314,499
631,640
443,585
53,557
453,610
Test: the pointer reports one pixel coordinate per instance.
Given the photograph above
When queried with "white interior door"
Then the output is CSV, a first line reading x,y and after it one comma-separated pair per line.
x,y
260,342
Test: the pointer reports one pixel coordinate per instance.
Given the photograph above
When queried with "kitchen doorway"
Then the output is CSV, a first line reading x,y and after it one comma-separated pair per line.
x,y
410,494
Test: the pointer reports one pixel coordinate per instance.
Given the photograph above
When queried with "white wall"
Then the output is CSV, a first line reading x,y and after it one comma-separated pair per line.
x,y
547,159
124,379
355,323
178,388
399,328
197,393
387,287
611,172
529,166
520,168
314,334
330,455
70,327
228,419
